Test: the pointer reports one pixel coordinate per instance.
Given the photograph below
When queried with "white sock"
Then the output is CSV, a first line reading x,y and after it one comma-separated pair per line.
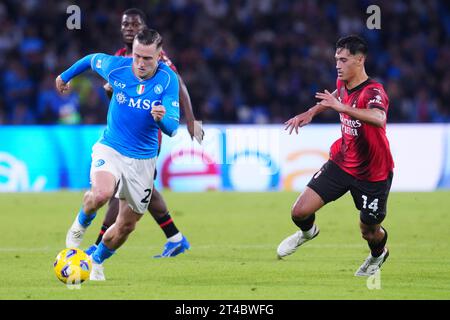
x,y
176,238
310,233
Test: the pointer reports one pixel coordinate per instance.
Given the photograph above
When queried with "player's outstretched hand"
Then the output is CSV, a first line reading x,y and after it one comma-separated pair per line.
x,y
195,130
61,86
158,112
328,100
298,121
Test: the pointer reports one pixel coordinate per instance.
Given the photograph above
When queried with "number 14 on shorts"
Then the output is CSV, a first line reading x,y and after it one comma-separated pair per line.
x,y
372,206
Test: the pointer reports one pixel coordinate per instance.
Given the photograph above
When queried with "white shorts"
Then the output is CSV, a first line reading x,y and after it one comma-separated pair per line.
x,y
135,177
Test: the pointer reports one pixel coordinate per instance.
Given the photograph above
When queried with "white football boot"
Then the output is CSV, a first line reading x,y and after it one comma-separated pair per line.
x,y
97,272
75,234
290,244
372,264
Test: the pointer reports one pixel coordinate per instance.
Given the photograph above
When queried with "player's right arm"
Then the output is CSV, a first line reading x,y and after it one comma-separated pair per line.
x,y
62,81
98,62
305,118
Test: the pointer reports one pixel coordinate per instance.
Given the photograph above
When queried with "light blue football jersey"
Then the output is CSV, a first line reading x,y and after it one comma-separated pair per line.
x,y
130,128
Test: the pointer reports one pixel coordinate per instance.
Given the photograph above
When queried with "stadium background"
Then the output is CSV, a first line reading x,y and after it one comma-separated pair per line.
x,y
243,61
252,63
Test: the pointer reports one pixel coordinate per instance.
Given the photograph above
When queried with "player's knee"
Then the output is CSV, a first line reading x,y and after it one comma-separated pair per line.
x,y
100,197
301,210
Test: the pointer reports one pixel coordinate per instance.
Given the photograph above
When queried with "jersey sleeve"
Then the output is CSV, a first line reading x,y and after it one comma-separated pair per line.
x,y
78,67
376,97
170,100
103,64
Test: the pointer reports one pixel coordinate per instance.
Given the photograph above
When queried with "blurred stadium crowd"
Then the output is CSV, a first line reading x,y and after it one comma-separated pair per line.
x,y
244,61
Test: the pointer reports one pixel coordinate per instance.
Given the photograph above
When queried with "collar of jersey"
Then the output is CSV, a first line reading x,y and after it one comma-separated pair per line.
x,y
359,86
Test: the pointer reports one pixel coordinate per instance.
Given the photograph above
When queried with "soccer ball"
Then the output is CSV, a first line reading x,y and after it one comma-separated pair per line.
x,y
72,266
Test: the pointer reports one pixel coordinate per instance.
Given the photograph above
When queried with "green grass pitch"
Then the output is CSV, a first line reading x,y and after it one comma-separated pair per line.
x,y
234,237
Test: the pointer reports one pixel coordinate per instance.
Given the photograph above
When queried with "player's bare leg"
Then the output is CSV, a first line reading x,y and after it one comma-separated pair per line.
x,y
103,184
303,215
157,206
176,242
376,237
113,239
118,233
102,189
108,221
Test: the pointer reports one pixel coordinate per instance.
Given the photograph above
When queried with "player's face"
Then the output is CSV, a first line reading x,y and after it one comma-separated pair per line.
x,y
130,26
145,59
347,65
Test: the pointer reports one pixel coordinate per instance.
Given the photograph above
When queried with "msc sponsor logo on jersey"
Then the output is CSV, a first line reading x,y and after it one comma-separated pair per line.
x,y
144,104
175,104
158,89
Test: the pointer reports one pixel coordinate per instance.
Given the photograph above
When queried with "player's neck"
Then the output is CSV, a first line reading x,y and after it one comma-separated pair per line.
x,y
129,47
147,76
357,80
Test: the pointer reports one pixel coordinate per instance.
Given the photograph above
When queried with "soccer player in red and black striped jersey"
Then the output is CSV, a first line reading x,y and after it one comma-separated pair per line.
x,y
133,21
360,161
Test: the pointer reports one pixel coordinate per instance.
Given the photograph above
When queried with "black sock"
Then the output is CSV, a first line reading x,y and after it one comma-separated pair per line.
x,y
100,234
305,224
167,225
376,249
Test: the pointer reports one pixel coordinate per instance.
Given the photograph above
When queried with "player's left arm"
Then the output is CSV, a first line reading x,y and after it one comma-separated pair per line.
x,y
194,126
372,115
170,121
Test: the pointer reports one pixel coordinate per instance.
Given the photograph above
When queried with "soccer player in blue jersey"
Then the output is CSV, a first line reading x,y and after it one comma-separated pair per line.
x,y
145,99
134,20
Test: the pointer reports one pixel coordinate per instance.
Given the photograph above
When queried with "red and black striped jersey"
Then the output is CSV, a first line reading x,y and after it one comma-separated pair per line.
x,y
363,150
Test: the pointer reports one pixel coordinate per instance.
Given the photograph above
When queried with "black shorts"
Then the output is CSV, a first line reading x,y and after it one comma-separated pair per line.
x,y
331,183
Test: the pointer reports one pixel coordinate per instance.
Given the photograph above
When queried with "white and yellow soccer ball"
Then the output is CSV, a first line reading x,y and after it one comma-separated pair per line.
x,y
72,266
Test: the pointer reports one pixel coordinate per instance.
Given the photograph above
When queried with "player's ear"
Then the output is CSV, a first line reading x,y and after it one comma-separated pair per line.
x,y
361,59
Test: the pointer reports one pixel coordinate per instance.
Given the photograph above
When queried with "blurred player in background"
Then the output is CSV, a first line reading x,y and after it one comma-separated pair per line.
x,y
133,21
360,161
145,100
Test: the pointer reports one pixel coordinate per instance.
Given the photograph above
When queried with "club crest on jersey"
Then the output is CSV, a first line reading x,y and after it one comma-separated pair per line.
x,y
140,89
99,163
158,89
